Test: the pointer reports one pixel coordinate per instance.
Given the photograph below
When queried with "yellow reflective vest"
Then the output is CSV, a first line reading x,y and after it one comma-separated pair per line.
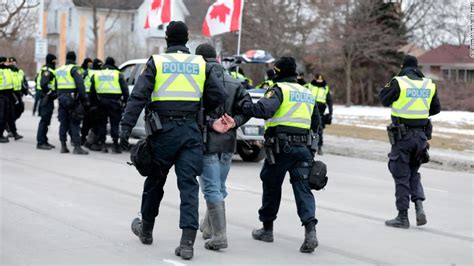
x,y
106,81
17,77
6,79
319,93
52,82
179,77
296,108
64,77
88,79
415,98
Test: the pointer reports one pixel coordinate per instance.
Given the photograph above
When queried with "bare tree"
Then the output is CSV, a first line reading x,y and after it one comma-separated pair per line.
x,y
16,18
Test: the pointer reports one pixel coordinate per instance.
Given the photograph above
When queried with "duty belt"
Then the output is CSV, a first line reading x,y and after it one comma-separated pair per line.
x,y
176,117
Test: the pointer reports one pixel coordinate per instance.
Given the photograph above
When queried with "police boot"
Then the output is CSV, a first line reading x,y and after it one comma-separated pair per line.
x,y
206,227
64,148
264,234
320,150
43,146
144,230
310,240
103,148
185,249
218,224
79,150
116,148
17,136
4,139
401,221
420,213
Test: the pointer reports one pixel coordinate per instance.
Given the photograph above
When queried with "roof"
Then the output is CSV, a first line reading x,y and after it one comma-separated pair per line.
x,y
113,4
447,54
412,49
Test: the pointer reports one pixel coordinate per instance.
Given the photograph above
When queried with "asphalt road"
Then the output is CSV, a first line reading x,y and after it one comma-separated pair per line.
x,y
70,209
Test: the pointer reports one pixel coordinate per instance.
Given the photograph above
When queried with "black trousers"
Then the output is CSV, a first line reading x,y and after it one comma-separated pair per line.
x,y
110,111
404,165
272,177
66,123
179,143
5,111
46,107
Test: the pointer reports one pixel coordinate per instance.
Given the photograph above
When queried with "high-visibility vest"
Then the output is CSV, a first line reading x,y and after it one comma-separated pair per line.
x,y
296,108
64,77
106,81
51,83
415,98
6,79
88,79
18,77
179,77
319,93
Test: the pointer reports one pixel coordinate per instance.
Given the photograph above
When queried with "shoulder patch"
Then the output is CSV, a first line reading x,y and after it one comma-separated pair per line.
x,y
269,94
388,84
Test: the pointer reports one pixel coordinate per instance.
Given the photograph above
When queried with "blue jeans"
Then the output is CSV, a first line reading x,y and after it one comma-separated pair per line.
x,y
216,167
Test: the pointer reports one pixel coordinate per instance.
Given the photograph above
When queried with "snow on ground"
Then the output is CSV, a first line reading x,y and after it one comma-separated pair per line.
x,y
449,122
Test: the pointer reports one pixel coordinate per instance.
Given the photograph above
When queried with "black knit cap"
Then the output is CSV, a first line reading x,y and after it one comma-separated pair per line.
x,y
110,61
177,33
71,56
96,64
285,67
206,50
409,61
3,59
50,59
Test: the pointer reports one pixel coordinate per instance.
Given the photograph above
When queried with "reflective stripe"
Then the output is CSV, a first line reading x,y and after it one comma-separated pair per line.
x,y
320,93
167,90
107,82
288,117
64,78
40,75
404,111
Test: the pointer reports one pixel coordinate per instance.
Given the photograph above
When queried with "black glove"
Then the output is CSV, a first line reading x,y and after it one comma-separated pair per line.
x,y
124,135
327,119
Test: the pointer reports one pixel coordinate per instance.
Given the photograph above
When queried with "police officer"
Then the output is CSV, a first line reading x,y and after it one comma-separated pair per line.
x,y
89,122
413,99
288,109
220,144
108,91
71,93
268,82
46,87
20,88
320,89
6,90
174,84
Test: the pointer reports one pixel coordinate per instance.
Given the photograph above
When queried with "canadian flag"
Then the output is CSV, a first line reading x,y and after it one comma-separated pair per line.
x,y
223,16
160,13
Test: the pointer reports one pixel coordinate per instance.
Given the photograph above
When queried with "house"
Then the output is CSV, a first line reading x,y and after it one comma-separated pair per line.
x,y
448,62
124,36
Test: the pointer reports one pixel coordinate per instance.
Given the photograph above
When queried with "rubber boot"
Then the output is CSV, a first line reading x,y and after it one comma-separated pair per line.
x,y
310,240
144,230
401,221
218,224
264,234
79,150
4,139
116,147
185,250
206,227
420,213
64,148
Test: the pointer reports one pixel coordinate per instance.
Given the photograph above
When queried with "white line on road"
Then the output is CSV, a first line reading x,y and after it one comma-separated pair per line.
x,y
173,262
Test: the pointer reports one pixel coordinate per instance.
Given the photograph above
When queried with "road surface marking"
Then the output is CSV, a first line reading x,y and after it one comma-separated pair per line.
x,y
236,188
173,262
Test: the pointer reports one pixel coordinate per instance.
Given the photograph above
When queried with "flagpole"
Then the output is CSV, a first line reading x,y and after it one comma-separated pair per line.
x,y
240,24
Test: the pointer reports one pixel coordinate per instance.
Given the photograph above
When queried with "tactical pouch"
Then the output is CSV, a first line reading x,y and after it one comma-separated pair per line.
x,y
152,123
318,176
424,156
429,130
141,156
269,146
78,111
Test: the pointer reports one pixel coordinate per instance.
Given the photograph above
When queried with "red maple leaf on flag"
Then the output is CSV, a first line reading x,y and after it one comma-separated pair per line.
x,y
155,4
220,11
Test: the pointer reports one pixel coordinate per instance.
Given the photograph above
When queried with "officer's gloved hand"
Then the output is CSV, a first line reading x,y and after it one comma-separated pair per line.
x,y
124,136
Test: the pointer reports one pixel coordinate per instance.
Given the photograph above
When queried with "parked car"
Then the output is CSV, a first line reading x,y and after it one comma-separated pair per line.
x,y
249,137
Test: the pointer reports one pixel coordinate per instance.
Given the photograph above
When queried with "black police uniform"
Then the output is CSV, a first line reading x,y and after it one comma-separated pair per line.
x,y
404,161
178,143
6,115
109,107
67,99
46,105
295,159
322,109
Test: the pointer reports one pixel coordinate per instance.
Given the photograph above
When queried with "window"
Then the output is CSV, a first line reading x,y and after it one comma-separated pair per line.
x,y
132,23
